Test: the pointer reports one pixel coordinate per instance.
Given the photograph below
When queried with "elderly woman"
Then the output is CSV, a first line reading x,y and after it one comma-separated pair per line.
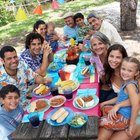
x,y
106,28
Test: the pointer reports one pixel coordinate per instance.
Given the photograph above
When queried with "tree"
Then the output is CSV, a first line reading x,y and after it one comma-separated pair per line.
x,y
128,14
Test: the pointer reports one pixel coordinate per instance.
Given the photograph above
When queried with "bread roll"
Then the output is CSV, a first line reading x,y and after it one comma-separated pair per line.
x,y
85,70
80,102
57,114
62,117
33,107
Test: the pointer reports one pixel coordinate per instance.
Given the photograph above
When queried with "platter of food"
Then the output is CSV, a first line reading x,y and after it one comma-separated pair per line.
x,y
53,67
59,116
40,105
78,120
57,101
84,102
41,91
62,85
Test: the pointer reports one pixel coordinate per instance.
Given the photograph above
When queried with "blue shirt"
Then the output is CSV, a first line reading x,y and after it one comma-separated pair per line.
x,y
9,121
71,32
33,63
125,111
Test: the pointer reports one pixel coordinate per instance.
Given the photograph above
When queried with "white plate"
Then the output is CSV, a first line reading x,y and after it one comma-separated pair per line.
x,y
77,86
57,97
96,101
69,68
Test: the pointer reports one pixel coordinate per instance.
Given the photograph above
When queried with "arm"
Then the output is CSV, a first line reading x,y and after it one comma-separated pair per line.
x,y
41,80
45,62
132,93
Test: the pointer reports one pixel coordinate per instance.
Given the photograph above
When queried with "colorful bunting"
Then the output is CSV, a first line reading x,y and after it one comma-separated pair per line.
x,y
55,4
38,10
21,14
61,1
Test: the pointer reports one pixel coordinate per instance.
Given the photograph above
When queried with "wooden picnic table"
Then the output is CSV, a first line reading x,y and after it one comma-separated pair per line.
x,y
47,132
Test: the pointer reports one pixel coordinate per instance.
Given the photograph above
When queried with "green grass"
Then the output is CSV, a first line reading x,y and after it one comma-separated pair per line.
x,y
14,29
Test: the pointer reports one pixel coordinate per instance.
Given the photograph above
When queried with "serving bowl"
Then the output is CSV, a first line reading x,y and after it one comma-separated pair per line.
x,y
57,101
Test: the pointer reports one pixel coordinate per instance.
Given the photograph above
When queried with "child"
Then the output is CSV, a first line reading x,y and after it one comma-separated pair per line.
x,y
51,36
10,111
125,117
84,31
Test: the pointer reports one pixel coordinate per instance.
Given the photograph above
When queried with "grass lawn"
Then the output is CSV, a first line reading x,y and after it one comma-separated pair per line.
x,y
16,28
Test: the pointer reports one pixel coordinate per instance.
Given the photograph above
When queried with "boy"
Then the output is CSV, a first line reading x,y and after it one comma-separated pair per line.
x,y
11,112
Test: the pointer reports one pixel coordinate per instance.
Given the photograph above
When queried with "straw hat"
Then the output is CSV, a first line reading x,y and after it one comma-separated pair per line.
x,y
69,14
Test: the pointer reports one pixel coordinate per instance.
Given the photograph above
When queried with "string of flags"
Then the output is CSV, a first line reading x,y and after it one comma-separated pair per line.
x,y
21,14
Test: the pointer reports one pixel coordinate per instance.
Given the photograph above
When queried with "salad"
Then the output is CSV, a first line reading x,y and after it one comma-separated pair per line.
x,y
78,120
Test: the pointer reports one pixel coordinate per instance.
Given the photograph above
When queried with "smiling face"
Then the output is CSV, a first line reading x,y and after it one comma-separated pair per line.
x,y
41,29
99,47
69,22
95,23
10,61
80,22
35,47
128,70
11,101
115,59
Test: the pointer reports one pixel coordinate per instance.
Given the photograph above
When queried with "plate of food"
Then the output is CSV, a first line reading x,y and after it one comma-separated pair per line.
x,y
57,101
84,102
41,91
78,120
85,72
62,85
53,67
59,116
40,105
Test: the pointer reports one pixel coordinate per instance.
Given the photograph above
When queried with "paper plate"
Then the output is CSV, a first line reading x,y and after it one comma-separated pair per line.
x,y
43,110
96,101
54,123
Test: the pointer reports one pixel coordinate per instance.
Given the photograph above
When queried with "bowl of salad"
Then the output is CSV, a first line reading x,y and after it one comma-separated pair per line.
x,y
78,120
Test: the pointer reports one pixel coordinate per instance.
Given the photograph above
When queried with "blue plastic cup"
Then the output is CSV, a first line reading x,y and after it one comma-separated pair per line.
x,y
34,119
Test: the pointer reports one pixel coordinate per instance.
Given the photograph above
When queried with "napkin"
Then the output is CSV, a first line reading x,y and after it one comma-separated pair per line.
x,y
86,91
25,117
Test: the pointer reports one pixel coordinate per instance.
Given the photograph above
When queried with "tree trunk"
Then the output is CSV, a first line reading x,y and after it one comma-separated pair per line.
x,y
128,14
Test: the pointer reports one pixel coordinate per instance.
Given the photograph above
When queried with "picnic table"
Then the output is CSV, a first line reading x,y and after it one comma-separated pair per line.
x,y
46,131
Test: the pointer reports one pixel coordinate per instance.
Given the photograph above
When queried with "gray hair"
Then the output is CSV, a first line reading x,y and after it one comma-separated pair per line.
x,y
102,37
94,15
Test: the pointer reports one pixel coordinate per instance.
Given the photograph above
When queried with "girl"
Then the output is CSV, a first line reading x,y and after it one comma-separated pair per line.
x,y
126,116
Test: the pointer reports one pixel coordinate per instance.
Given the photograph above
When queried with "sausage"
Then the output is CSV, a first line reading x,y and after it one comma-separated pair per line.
x,y
85,70
80,102
62,117
57,114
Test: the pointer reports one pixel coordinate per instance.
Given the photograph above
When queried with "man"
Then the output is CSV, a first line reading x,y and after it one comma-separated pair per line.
x,y
70,29
32,55
18,73
106,28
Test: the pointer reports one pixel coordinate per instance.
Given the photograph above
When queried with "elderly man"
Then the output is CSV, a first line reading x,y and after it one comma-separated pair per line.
x,y
18,73
106,28
70,29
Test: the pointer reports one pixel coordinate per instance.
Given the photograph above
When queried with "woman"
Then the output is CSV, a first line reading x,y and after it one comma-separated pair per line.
x,y
111,78
99,46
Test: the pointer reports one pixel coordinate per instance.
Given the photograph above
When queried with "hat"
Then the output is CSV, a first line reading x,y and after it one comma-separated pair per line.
x,y
69,14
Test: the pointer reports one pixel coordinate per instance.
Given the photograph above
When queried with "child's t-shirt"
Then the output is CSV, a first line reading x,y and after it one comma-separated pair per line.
x,y
9,121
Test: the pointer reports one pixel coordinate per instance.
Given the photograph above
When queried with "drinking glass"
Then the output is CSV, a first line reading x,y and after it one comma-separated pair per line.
x,y
54,90
34,119
68,93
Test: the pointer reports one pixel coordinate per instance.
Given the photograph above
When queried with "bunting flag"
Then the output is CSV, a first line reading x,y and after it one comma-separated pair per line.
x,y
38,10
61,1
55,4
21,15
